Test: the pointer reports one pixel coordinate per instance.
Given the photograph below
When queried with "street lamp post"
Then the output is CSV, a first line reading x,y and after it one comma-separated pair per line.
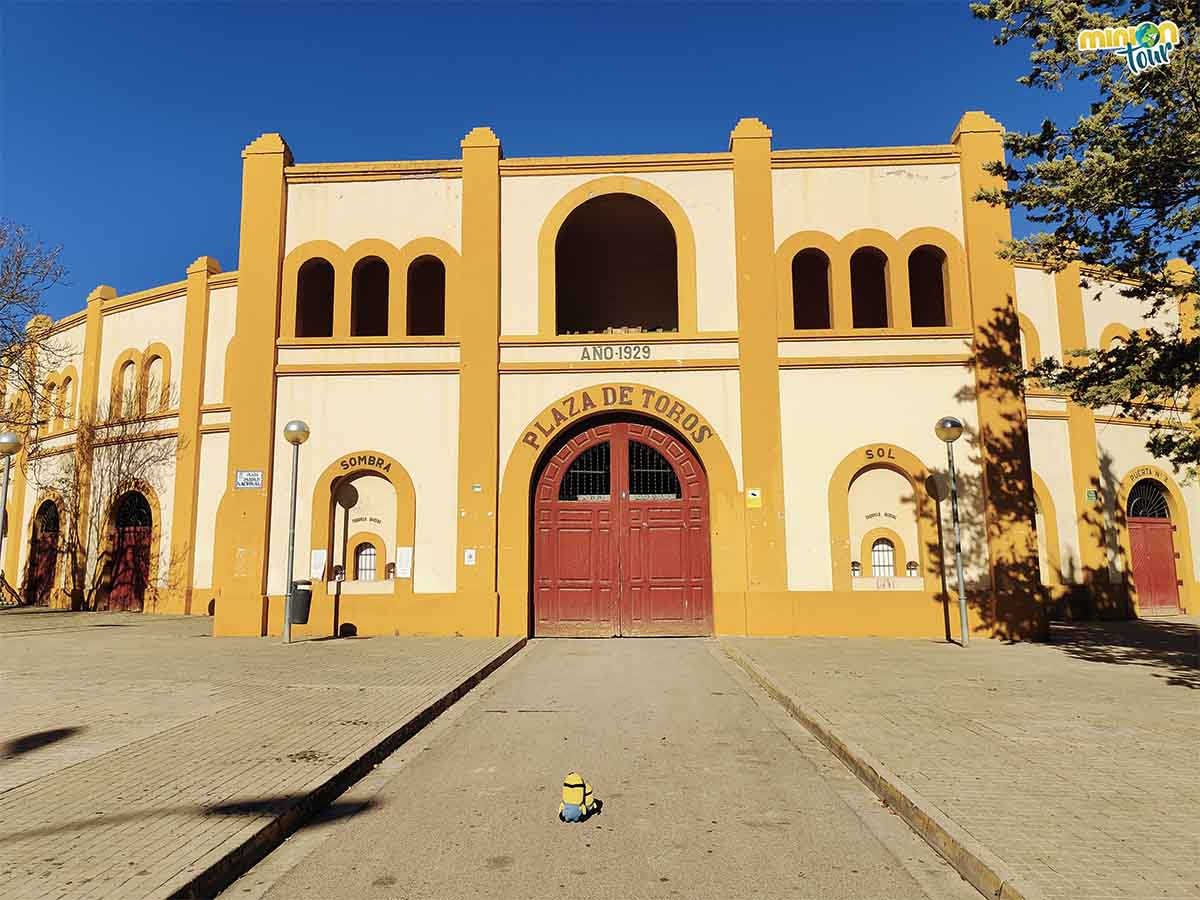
x,y
10,445
295,433
949,429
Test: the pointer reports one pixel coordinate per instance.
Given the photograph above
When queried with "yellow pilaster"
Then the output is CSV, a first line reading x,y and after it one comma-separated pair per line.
x,y
766,546
240,542
1081,434
479,387
187,450
1017,608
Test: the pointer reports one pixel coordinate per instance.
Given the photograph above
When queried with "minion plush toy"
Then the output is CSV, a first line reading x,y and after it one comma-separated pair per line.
x,y
577,802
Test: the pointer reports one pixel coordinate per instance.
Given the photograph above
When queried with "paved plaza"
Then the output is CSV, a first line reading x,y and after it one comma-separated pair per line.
x,y
1073,761
138,753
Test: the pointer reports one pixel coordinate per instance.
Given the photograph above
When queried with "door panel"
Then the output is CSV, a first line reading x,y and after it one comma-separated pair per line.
x,y
1152,547
621,543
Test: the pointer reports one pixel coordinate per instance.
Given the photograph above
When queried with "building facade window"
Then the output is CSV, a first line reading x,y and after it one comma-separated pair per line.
x,y
883,558
426,297
855,569
314,299
910,569
364,562
868,288
369,298
927,286
810,289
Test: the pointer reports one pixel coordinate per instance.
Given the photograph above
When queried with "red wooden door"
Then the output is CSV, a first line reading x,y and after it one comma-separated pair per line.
x,y
1153,549
43,560
621,540
131,568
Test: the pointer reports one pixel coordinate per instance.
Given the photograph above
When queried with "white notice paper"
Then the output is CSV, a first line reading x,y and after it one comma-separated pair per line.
x,y
317,568
404,556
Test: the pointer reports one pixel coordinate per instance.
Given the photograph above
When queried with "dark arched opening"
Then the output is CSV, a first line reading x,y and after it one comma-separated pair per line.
x,y
43,555
927,286
868,288
616,268
810,289
427,296
369,298
133,524
314,299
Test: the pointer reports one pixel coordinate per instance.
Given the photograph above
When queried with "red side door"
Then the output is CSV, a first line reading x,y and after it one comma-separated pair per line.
x,y
131,568
1152,546
42,565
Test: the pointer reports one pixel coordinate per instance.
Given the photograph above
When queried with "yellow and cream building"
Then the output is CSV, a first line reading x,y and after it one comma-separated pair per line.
x,y
666,394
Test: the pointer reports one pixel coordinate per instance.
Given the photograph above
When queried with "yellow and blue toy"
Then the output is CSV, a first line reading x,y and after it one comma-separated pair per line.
x,y
577,802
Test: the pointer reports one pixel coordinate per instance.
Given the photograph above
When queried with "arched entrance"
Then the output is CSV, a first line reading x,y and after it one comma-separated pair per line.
x,y
43,555
1152,548
132,526
621,535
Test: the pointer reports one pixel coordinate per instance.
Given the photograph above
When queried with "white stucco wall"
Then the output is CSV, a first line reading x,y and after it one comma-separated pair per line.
x,y
705,197
396,211
222,319
828,415
1037,299
413,418
894,199
214,459
1049,455
1104,305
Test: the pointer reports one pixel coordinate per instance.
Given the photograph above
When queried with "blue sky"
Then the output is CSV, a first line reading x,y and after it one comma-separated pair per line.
x,y
122,125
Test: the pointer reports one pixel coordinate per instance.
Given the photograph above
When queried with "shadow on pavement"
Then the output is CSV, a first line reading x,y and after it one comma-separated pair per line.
x,y
38,739
1171,646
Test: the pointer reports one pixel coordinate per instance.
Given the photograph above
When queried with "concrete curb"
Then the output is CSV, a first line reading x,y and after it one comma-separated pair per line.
x,y
265,835
985,871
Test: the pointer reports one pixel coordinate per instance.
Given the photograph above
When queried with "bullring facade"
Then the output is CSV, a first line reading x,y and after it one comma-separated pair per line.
x,y
669,394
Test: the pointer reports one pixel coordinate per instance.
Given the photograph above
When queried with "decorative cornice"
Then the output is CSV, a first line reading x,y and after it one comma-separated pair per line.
x,y
933,154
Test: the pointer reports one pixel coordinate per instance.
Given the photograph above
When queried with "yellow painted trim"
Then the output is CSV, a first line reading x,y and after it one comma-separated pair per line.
x,y
116,384
1017,607
685,247
615,165
934,154
874,334
187,450
317,173
366,368
173,291
758,349
839,280
1113,331
156,350
899,559
1033,344
868,362
904,463
381,561
1182,537
363,342
954,277
726,508
625,365
652,337
1045,502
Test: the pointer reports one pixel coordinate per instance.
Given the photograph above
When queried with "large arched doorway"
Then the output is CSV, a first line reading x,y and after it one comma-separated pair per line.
x,y
132,527
1152,548
621,535
43,555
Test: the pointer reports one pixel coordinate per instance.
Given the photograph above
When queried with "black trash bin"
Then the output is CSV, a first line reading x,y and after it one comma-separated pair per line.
x,y
301,601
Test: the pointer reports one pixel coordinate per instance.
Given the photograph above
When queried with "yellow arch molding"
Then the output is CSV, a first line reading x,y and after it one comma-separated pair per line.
x,y
414,249
899,561
157,350
116,386
1029,337
1184,571
685,246
726,513
901,461
1045,502
839,279
899,307
331,253
1111,331
958,313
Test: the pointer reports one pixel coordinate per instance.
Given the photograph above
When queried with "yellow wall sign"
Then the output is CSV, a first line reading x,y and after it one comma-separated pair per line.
x,y
614,397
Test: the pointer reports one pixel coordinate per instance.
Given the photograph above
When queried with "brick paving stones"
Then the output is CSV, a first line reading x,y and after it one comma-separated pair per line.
x,y
1073,761
135,751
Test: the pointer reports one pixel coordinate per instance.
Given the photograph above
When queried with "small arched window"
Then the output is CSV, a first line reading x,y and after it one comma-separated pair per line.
x,y
883,558
128,389
154,384
369,298
927,286
364,562
314,299
810,289
132,511
426,296
588,478
66,402
855,569
50,401
47,518
868,288
910,569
